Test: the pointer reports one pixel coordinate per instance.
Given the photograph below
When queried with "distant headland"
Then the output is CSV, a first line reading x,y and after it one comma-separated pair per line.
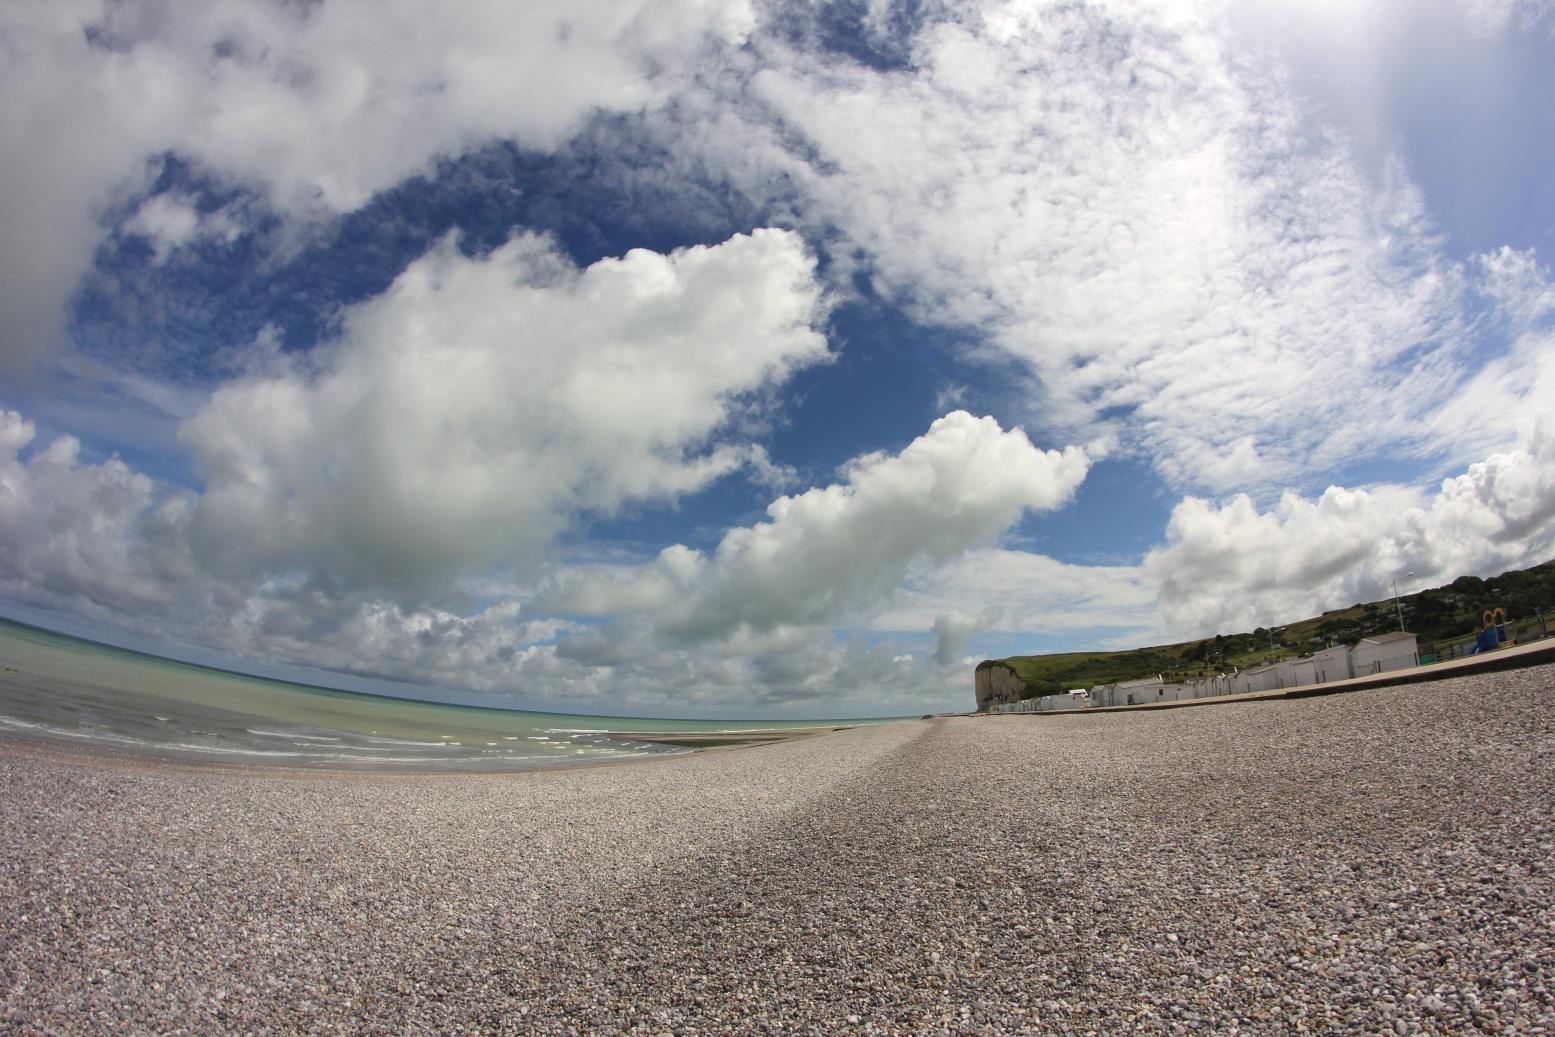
x,y
1446,622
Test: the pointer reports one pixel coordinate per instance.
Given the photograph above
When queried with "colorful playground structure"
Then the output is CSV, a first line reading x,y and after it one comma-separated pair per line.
x,y
1494,634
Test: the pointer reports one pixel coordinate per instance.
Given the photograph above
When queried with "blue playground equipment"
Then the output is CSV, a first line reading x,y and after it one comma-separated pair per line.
x,y
1494,634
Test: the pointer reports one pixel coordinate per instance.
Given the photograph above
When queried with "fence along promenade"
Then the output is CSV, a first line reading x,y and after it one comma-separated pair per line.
x,y
1204,691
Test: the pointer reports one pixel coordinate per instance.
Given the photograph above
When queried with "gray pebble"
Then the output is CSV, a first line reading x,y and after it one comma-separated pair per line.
x,y
1354,863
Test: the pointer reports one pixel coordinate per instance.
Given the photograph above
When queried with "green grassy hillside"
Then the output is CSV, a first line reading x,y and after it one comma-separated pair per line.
x,y
1440,616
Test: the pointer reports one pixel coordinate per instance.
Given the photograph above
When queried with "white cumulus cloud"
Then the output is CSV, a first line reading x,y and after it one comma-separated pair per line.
x,y
315,107
173,220
473,410
1233,565
826,553
105,543
83,536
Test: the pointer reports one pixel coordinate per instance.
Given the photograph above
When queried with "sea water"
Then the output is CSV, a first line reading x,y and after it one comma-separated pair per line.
x,y
58,688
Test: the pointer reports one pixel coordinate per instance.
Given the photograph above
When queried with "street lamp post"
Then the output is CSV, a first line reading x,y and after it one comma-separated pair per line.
x,y
1399,604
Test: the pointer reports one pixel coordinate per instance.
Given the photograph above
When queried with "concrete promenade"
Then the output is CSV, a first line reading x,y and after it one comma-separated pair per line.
x,y
1533,653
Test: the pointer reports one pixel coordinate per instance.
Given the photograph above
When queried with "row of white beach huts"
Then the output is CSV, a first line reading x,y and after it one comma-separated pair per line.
x,y
1378,654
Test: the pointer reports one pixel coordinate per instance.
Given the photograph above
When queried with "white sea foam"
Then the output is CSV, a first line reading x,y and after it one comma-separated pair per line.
x,y
322,749
228,750
261,732
94,734
379,740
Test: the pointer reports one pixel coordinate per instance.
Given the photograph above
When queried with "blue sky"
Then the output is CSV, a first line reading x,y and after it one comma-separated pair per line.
x,y
770,360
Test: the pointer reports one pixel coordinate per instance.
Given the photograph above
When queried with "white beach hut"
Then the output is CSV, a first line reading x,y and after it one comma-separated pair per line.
x,y
1383,652
1333,664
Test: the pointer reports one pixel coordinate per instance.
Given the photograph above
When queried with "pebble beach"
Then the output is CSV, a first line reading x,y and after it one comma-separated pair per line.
x,y
1375,862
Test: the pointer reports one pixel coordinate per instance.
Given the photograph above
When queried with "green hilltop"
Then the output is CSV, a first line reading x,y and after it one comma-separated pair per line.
x,y
1441,616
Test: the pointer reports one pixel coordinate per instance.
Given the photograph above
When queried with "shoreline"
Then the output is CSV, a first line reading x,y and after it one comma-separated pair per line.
x,y
1370,862
63,691
728,739
91,754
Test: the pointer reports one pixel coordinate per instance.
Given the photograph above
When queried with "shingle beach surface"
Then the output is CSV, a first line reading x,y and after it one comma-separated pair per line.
x,y
1377,862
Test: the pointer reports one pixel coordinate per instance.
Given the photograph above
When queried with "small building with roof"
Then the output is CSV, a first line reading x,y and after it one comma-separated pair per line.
x,y
1395,650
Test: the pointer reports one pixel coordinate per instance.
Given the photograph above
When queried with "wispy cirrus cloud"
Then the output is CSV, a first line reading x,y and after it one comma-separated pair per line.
x,y
999,590
1142,216
1492,16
